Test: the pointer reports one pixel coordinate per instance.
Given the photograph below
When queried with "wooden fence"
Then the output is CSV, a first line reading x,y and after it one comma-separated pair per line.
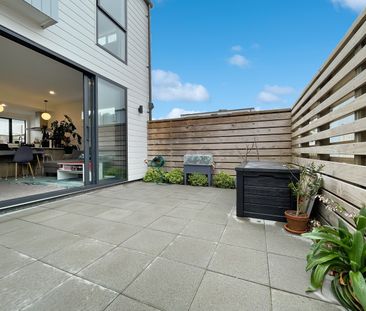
x,y
326,126
228,137
329,124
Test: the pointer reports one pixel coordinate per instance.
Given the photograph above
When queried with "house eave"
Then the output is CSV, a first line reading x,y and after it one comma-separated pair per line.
x,y
149,3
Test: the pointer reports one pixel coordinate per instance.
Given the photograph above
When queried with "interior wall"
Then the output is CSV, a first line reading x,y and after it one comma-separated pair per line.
x,y
73,110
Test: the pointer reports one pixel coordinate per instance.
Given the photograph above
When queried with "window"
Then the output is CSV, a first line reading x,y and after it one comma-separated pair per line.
x,y
111,28
12,131
112,131
4,131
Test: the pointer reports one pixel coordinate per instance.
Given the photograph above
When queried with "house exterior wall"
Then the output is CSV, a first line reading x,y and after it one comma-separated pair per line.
x,y
74,38
48,7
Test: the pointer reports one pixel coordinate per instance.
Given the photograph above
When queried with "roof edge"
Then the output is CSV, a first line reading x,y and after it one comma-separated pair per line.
x,y
149,3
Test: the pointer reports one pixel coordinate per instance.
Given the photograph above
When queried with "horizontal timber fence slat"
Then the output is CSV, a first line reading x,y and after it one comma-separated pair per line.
x,y
329,125
230,133
215,140
230,138
224,127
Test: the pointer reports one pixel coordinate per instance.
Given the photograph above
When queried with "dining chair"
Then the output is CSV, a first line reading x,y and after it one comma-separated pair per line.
x,y
23,156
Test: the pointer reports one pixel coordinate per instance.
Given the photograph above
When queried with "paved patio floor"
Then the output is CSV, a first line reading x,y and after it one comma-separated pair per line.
x,y
150,247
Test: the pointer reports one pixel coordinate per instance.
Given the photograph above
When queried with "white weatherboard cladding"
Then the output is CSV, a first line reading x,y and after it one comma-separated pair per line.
x,y
74,37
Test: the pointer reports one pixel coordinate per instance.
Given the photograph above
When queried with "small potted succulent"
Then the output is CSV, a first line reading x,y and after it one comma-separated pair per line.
x,y
305,189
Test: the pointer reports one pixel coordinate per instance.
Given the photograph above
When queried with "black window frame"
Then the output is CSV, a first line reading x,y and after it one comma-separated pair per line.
x,y
10,123
117,24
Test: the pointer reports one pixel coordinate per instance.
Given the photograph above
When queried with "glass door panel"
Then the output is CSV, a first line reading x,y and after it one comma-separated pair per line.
x,y
89,135
112,131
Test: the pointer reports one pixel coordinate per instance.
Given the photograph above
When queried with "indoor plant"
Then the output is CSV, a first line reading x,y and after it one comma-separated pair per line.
x,y
305,188
64,134
45,136
343,254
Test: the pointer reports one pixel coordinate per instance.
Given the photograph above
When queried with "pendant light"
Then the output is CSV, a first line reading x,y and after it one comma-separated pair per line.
x,y
45,115
2,107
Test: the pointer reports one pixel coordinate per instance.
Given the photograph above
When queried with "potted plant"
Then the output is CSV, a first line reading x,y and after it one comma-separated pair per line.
x,y
45,136
305,188
64,134
343,254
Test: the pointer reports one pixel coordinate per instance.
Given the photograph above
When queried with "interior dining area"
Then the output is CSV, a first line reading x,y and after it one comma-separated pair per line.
x,y
41,123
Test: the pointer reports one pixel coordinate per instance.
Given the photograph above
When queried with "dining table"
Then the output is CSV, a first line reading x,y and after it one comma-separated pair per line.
x,y
6,156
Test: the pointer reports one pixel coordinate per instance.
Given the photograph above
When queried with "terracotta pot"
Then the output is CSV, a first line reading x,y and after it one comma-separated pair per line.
x,y
296,224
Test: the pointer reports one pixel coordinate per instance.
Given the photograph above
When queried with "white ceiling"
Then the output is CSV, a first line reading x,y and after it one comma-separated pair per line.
x,y
26,77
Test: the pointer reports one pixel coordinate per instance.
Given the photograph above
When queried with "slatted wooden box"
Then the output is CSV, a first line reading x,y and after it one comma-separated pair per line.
x,y
262,190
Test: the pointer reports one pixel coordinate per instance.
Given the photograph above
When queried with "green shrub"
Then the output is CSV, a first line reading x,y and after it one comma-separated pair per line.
x,y
175,176
224,180
198,179
154,175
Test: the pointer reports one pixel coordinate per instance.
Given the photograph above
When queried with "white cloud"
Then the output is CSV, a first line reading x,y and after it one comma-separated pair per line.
x,y
236,48
167,86
177,112
355,5
238,60
267,97
274,93
279,90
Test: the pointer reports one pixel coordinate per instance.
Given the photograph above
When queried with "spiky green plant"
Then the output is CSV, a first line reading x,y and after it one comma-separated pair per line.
x,y
344,253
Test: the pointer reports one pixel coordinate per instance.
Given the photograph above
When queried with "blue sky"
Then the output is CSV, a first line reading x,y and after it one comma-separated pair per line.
x,y
211,54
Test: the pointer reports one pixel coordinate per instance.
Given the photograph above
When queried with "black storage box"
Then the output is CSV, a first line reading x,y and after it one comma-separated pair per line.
x,y
262,190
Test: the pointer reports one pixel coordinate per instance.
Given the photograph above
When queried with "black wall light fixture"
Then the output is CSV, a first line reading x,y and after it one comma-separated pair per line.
x,y
141,109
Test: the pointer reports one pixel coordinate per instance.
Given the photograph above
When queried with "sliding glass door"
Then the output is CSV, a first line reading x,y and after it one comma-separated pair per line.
x,y
112,131
89,136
